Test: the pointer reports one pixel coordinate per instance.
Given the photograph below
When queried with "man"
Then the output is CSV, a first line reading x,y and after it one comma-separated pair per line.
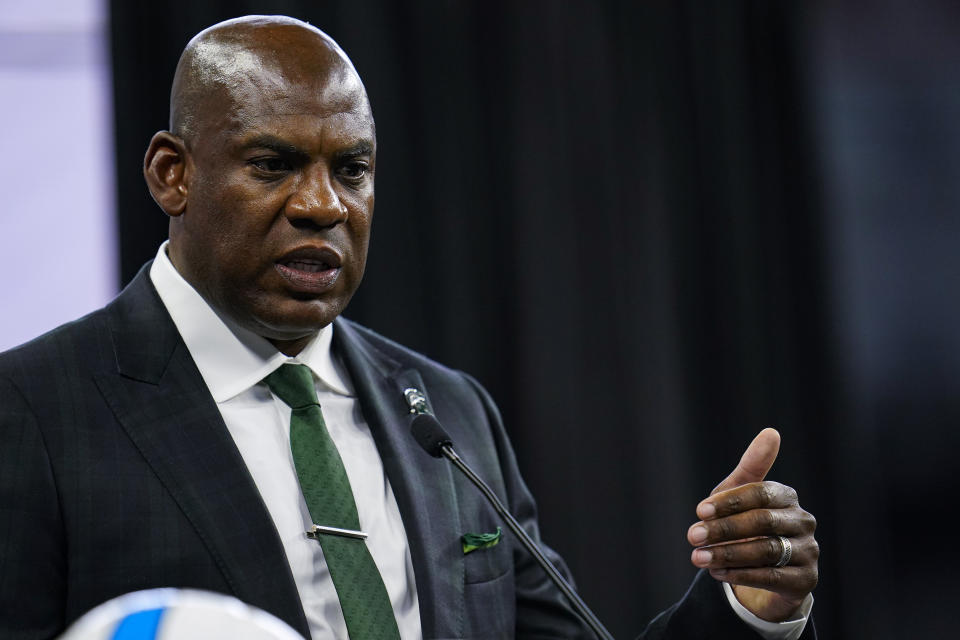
x,y
160,441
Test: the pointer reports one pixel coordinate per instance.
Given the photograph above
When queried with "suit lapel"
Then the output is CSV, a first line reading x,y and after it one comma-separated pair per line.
x,y
423,486
161,400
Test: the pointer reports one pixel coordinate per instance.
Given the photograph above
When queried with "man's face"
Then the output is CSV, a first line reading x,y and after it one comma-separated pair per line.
x,y
279,182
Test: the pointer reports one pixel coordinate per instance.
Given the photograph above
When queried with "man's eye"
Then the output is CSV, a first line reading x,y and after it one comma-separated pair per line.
x,y
270,165
354,170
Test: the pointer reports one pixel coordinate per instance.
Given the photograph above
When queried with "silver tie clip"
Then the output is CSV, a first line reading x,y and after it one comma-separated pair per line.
x,y
314,534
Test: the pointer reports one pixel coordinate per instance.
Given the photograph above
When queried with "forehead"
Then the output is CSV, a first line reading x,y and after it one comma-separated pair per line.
x,y
252,87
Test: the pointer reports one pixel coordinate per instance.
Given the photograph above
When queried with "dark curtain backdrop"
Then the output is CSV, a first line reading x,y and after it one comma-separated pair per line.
x,y
610,213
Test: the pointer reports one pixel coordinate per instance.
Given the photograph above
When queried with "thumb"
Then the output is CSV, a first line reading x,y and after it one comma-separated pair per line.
x,y
756,461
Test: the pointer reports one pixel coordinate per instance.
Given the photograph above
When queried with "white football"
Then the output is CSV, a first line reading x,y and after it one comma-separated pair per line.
x,y
181,614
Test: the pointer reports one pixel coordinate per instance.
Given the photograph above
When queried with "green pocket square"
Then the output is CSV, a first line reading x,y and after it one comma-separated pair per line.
x,y
474,541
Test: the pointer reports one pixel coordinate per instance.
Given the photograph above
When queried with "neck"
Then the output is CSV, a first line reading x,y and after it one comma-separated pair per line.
x,y
291,347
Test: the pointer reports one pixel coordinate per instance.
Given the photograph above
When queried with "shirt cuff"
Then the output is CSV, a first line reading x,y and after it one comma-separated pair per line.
x,y
789,629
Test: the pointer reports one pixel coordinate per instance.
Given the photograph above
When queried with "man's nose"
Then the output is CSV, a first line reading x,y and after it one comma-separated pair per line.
x,y
316,200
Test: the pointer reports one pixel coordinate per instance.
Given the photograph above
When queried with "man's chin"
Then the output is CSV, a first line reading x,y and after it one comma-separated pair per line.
x,y
291,321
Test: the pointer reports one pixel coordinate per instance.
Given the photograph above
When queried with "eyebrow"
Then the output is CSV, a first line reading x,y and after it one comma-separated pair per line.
x,y
273,143
362,148
281,146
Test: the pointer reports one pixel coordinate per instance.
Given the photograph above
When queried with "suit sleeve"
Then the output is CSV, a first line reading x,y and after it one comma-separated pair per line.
x,y
32,568
541,608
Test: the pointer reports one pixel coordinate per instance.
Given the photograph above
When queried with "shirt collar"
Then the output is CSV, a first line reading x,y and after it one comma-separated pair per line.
x,y
232,359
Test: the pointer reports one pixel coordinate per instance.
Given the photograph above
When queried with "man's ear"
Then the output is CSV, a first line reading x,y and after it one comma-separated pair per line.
x,y
166,172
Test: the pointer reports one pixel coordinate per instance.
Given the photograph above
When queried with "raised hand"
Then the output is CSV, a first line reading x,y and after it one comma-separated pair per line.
x,y
754,535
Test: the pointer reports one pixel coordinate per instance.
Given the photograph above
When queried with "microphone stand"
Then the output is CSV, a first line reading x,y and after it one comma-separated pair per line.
x,y
446,449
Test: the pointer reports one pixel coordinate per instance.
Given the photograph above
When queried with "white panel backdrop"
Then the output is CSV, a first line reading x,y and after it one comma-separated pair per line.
x,y
57,237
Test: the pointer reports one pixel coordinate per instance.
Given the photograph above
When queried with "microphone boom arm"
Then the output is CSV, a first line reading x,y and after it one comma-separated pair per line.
x,y
446,449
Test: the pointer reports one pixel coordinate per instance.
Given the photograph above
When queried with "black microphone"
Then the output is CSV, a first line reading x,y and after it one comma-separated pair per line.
x,y
435,441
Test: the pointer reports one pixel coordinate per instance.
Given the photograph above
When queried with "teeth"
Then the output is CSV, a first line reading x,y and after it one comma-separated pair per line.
x,y
310,267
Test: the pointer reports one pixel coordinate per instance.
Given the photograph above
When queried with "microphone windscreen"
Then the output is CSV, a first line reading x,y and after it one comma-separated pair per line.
x,y
429,434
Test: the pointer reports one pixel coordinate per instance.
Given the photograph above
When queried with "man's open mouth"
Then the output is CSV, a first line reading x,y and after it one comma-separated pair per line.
x,y
310,270
308,266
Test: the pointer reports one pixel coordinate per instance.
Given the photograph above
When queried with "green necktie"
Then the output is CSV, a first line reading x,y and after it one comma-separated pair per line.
x,y
326,489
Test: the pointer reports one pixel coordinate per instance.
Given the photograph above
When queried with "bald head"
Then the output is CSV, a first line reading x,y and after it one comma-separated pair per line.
x,y
221,63
267,175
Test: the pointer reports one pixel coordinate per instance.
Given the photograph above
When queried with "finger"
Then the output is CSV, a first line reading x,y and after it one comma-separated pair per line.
x,y
755,495
766,551
758,522
794,581
755,462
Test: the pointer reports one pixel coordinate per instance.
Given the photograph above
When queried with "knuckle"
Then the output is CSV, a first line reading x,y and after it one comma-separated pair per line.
x,y
775,577
734,503
806,581
814,550
767,520
725,528
764,493
727,556
791,495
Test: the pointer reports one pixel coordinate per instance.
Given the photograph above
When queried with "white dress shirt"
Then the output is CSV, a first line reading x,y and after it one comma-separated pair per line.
x,y
787,630
233,363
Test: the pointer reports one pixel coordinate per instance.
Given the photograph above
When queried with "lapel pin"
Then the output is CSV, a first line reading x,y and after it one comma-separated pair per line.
x,y
415,400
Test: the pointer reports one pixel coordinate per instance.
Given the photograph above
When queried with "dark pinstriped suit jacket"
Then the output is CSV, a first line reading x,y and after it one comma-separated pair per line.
x,y
117,473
